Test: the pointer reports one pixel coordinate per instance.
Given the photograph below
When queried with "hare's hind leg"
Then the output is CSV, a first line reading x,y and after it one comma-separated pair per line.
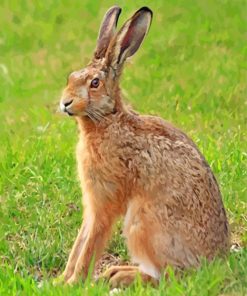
x,y
155,241
139,228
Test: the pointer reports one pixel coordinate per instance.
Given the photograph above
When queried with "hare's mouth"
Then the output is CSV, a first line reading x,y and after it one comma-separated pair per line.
x,y
69,112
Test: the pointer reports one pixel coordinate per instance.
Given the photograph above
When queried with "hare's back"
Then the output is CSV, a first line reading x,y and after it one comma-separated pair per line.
x,y
170,155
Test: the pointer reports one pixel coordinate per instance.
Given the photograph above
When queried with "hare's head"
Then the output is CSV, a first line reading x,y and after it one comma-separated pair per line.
x,y
92,91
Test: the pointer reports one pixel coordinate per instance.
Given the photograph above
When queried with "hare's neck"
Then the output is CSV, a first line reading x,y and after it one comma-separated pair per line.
x,y
119,105
86,126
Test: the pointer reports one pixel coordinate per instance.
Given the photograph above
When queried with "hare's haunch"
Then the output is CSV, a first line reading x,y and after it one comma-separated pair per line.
x,y
139,167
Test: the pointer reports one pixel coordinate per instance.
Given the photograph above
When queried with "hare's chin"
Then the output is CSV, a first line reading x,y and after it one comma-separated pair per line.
x,y
77,113
69,113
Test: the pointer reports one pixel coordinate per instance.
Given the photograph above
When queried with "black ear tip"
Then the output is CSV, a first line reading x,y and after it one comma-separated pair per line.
x,y
114,9
146,9
117,8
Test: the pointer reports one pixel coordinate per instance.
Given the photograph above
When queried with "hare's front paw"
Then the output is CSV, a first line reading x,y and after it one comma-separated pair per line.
x,y
72,280
58,280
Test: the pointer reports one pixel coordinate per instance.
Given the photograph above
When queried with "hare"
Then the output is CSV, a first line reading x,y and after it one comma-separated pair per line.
x,y
139,167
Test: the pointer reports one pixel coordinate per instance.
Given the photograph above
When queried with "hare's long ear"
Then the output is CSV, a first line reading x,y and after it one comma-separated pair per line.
x,y
107,31
128,39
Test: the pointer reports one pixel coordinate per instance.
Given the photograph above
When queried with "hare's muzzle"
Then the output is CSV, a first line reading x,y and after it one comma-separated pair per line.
x,y
75,96
73,103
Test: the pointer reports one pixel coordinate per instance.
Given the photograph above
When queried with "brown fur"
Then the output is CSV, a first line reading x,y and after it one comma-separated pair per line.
x,y
142,168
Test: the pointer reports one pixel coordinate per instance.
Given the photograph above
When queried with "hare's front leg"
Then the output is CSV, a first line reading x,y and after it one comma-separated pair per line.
x,y
76,249
74,254
92,239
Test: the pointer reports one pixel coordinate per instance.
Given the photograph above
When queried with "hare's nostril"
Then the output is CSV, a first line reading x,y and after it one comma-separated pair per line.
x,y
67,103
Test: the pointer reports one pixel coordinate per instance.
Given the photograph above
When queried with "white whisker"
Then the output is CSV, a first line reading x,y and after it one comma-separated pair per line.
x,y
96,115
91,116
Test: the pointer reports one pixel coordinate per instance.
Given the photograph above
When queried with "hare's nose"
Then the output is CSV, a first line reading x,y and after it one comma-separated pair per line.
x,y
66,104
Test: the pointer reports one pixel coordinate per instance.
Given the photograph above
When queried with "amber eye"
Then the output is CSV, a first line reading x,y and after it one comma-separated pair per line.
x,y
95,83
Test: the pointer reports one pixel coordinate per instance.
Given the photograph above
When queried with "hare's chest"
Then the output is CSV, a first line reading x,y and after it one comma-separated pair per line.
x,y
99,170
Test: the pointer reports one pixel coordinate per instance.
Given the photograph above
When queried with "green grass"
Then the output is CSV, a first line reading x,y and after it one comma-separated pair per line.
x,y
191,70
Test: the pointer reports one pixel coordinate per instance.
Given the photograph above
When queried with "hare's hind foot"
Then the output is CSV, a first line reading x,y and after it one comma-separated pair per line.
x,y
122,276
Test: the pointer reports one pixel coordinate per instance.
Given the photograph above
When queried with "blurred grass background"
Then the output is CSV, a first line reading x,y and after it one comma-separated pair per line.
x,y
190,70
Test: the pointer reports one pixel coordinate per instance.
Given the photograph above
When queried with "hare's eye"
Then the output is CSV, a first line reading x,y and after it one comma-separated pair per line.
x,y
95,83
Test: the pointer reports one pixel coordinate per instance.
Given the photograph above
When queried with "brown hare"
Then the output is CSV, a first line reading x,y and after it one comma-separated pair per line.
x,y
139,167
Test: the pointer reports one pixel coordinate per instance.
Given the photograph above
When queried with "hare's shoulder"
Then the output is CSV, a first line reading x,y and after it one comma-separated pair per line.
x,y
154,126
